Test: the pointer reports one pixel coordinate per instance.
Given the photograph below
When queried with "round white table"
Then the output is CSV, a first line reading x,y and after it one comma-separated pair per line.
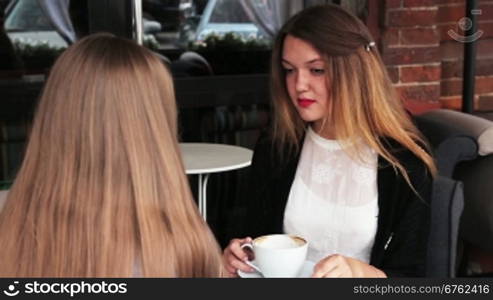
x,y
202,159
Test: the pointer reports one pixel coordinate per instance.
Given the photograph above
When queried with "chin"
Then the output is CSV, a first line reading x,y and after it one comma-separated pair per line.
x,y
309,118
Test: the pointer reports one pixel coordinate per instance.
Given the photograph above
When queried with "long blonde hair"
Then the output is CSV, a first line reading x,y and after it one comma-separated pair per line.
x,y
102,190
365,105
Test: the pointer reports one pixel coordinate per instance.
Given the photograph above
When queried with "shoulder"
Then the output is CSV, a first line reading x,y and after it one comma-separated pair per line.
x,y
270,151
419,175
272,159
264,149
408,159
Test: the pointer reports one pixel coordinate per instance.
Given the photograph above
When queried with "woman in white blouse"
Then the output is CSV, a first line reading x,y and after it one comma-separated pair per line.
x,y
344,166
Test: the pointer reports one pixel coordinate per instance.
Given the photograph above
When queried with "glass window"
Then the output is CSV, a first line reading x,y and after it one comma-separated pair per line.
x,y
35,41
184,22
26,16
25,23
228,12
221,32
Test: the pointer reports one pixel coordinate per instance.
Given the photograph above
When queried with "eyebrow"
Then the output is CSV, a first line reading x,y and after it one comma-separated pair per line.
x,y
306,63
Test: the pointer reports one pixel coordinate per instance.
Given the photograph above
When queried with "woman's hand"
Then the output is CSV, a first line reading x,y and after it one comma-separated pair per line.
x,y
234,257
342,266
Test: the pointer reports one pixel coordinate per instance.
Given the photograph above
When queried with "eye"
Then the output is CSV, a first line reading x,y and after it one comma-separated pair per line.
x,y
287,70
317,71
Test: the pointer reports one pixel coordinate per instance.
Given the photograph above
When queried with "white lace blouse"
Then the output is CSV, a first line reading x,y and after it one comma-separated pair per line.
x,y
333,202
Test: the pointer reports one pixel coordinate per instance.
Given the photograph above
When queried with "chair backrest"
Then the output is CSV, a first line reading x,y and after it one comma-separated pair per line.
x,y
450,144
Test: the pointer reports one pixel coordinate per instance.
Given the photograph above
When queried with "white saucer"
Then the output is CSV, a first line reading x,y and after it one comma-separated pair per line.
x,y
306,271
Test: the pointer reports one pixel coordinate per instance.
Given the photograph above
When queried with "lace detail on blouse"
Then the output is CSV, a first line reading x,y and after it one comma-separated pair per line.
x,y
333,201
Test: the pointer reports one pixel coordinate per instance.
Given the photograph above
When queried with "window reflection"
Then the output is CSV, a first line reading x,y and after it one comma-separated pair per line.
x,y
26,17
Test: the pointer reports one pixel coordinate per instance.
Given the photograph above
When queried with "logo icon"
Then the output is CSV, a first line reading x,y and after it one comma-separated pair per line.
x,y
465,24
11,292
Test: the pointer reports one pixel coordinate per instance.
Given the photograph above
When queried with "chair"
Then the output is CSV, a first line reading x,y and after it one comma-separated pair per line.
x,y
449,132
450,146
446,208
191,64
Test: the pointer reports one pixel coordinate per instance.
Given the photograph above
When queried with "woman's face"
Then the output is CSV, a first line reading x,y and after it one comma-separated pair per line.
x,y
305,76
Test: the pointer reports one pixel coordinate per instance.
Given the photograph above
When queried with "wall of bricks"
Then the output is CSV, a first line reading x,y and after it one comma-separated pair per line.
x,y
423,60
452,53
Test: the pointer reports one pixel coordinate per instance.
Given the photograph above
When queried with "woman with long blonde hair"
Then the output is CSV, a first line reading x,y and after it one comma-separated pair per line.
x,y
102,190
344,166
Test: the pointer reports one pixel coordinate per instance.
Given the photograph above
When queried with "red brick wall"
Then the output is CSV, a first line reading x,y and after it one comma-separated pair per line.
x,y
423,60
410,47
449,12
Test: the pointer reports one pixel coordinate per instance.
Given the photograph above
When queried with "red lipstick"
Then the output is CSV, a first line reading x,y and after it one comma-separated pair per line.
x,y
305,102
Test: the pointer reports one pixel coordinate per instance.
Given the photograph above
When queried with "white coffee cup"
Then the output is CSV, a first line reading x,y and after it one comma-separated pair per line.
x,y
278,255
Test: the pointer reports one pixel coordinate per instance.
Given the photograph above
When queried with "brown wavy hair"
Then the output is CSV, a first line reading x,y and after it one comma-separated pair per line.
x,y
368,108
102,190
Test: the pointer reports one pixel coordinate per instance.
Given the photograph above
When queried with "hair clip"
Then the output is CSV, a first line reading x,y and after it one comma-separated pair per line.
x,y
369,46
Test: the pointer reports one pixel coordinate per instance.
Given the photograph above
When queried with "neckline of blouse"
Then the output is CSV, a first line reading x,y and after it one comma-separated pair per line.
x,y
328,144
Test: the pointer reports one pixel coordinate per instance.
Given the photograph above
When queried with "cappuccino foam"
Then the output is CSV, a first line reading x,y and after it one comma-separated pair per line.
x,y
279,242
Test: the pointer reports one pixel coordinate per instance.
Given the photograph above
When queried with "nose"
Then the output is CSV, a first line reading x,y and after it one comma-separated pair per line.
x,y
302,82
